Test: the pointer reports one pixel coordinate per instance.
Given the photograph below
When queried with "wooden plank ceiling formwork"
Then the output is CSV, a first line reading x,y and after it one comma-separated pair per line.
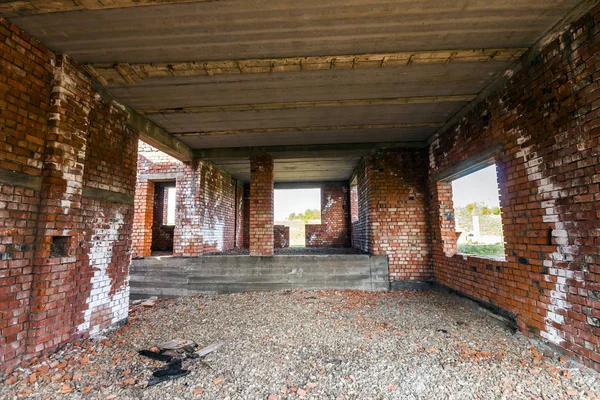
x,y
302,77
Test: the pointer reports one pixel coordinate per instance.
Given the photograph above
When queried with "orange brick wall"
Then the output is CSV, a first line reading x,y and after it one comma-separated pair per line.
x,y
547,119
261,206
26,70
393,216
55,238
334,229
281,236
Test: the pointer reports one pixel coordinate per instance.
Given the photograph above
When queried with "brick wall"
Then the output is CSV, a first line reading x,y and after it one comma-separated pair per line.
x,y
281,236
152,162
209,216
361,232
393,212
246,218
261,206
65,145
334,229
546,118
206,211
240,219
26,71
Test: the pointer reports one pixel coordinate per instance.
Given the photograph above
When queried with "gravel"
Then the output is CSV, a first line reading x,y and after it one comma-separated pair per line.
x,y
311,344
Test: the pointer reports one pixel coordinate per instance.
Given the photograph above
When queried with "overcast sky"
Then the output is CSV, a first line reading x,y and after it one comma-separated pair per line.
x,y
480,187
295,201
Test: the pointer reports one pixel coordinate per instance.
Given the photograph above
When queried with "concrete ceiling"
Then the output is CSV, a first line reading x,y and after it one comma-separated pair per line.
x,y
231,73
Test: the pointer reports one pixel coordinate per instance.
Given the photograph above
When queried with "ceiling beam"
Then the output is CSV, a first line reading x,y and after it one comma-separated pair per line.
x,y
528,58
126,73
19,8
310,104
311,129
158,138
301,151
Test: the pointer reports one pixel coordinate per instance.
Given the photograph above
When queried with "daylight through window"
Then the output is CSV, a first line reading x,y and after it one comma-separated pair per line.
x,y
477,214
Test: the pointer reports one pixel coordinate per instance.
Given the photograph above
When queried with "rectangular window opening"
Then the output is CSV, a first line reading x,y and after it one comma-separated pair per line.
x,y
170,203
477,214
297,208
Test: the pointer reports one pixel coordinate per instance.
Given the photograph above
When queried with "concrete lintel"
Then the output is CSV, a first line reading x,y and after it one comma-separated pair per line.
x,y
302,151
106,195
308,185
160,176
473,164
158,138
13,178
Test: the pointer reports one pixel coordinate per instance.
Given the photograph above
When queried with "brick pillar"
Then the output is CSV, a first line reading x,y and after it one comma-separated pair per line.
x,y
60,220
261,205
142,223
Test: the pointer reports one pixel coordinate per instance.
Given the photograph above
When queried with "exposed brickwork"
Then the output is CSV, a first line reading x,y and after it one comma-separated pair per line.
x,y
246,218
361,232
54,240
209,210
334,229
142,222
547,119
281,236
261,205
25,84
206,211
151,161
240,219
393,212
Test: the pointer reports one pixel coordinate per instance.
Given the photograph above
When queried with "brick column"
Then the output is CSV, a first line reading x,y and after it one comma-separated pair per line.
x,y
142,223
60,219
261,205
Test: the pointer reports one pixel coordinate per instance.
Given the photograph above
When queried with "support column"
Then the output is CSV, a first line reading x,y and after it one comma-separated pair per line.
x,y
261,205
60,219
142,223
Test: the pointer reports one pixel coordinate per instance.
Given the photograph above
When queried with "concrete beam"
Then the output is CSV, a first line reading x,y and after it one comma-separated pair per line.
x,y
473,164
311,129
158,138
138,72
19,8
310,104
307,185
301,151
106,195
13,178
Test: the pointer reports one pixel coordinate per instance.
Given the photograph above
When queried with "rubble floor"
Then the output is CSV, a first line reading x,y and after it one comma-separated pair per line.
x,y
308,344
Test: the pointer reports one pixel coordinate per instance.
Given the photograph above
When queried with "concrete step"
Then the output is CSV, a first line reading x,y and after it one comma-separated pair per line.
x,y
179,276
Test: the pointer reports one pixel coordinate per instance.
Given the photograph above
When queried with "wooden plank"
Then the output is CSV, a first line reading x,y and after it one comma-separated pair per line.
x,y
19,8
310,104
311,129
139,72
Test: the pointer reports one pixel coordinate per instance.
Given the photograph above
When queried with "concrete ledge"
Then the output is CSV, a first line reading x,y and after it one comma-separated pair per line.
x,y
507,317
411,285
179,276
13,178
106,195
